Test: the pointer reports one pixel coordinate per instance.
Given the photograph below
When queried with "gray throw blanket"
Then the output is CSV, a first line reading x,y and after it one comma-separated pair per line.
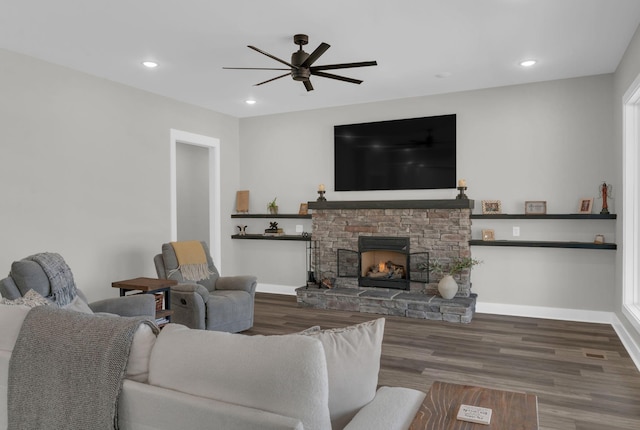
x,y
63,287
66,370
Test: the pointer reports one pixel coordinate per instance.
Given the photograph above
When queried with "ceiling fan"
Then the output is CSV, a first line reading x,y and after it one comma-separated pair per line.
x,y
301,66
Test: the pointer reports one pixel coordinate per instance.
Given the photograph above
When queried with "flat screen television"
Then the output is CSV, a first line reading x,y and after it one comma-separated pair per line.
x,y
406,154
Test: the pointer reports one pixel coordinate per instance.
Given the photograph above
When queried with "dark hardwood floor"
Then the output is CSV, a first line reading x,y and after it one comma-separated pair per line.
x,y
581,373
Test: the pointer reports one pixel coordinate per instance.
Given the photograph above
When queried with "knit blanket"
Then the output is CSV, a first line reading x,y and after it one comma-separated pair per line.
x,y
66,370
63,287
192,260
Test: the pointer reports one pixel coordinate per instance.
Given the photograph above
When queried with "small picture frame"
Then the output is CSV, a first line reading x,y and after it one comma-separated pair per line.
x,y
535,207
491,207
304,209
585,206
242,201
488,234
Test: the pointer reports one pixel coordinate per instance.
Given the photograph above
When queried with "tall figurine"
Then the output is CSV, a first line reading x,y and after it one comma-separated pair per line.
x,y
605,189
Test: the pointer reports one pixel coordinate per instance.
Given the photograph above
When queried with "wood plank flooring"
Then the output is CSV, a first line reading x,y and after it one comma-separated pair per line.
x,y
581,373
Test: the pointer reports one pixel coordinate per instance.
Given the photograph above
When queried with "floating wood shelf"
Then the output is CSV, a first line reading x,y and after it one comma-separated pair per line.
x,y
543,244
393,204
263,237
545,216
291,216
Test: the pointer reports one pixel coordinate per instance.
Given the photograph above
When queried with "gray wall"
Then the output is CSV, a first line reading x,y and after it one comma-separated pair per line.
x,y
550,141
85,169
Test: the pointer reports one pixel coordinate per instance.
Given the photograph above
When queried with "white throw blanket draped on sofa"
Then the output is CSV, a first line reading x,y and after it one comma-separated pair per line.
x,y
66,370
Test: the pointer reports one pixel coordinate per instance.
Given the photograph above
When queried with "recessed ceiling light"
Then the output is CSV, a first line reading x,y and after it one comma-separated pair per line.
x,y
250,102
528,63
150,64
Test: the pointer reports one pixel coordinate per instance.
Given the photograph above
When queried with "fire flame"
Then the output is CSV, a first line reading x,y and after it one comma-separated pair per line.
x,y
382,266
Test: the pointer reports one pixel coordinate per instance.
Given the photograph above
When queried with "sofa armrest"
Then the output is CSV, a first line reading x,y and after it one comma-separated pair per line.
x,y
144,407
393,408
129,306
243,283
188,303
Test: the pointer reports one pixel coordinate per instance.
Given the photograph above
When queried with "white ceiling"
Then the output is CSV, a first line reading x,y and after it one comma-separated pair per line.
x,y
479,42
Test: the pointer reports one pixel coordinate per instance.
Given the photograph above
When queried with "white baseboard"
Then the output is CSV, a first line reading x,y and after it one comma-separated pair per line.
x,y
276,289
627,340
546,312
562,314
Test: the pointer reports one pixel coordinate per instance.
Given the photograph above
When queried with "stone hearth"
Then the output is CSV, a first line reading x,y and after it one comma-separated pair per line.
x,y
395,303
440,227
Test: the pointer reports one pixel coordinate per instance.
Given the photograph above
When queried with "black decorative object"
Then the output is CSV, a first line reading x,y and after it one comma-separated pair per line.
x,y
462,195
273,227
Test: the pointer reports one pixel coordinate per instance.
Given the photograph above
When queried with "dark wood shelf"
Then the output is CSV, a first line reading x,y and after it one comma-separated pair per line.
x,y
545,216
263,237
392,204
164,313
291,216
543,244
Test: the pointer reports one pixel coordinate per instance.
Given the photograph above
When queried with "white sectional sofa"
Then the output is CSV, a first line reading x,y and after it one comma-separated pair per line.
x,y
195,379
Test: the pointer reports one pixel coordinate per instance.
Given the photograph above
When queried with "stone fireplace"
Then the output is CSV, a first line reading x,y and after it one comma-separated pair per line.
x,y
362,248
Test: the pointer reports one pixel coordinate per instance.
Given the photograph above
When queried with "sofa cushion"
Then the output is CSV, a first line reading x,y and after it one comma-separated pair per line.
x,y
286,375
353,362
78,305
11,318
29,300
28,275
138,363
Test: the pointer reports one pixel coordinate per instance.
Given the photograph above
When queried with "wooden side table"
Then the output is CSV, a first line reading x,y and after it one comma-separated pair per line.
x,y
150,286
510,410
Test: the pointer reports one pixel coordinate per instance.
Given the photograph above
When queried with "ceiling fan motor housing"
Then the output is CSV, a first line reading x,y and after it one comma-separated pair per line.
x,y
301,73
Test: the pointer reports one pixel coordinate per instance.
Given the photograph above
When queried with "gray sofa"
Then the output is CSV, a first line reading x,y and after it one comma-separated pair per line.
x,y
222,303
28,275
197,379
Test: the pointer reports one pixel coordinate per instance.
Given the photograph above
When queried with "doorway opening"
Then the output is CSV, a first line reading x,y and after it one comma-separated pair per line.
x,y
212,147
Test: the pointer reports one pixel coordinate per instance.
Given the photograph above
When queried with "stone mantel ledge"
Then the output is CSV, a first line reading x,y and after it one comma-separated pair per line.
x,y
392,204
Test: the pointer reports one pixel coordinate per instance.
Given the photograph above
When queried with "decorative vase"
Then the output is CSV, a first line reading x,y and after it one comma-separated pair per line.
x,y
273,210
448,287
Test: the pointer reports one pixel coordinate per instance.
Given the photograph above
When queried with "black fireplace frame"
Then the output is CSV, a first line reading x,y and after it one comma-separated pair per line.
x,y
350,262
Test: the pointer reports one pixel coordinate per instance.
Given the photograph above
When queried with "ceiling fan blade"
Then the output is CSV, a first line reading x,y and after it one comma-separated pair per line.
x,y
345,65
273,57
332,76
273,79
307,85
315,55
252,68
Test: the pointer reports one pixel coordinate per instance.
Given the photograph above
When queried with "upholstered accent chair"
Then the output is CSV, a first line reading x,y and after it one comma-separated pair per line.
x,y
27,275
221,303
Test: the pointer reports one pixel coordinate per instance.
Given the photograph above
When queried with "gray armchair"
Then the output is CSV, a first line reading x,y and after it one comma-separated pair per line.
x,y
221,303
28,275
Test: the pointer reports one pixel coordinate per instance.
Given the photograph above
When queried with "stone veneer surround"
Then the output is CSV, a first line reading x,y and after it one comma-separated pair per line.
x,y
440,227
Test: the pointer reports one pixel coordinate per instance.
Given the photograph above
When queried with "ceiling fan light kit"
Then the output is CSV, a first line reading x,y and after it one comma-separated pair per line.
x,y
301,66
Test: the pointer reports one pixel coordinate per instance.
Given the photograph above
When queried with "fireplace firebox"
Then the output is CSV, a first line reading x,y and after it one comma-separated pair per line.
x,y
383,262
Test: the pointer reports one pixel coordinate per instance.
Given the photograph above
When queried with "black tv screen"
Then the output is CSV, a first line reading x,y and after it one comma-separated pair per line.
x,y
406,154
